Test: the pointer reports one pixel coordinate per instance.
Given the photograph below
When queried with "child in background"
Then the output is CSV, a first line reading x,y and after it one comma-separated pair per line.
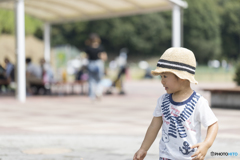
x,y
180,112
96,56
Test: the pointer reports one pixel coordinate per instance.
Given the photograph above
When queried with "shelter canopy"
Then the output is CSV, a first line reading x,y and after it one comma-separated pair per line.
x,y
58,11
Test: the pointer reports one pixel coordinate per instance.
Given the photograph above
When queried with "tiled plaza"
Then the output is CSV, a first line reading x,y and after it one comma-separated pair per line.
x,y
75,128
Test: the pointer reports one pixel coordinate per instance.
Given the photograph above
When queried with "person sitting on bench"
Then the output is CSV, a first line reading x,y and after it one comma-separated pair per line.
x,y
6,75
33,76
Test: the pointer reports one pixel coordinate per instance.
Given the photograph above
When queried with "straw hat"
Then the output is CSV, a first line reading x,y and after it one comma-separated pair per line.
x,y
179,61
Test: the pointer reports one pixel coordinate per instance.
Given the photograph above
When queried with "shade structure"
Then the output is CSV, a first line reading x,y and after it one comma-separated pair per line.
x,y
62,11
58,11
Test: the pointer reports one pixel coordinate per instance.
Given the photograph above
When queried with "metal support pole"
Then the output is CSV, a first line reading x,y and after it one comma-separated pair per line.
x,y
20,36
177,31
47,42
176,26
16,54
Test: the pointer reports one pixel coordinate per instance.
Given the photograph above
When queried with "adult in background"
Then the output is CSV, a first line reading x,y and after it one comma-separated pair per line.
x,y
3,79
6,75
9,70
96,55
33,75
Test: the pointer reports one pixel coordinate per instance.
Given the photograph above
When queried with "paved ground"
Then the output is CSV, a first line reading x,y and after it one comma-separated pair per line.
x,y
74,128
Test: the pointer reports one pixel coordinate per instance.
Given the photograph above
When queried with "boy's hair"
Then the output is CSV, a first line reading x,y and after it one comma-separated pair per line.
x,y
177,76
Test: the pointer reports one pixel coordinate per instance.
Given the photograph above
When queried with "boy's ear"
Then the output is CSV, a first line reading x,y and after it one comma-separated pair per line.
x,y
183,80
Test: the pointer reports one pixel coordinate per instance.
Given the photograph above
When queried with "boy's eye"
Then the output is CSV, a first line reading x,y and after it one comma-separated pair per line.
x,y
165,76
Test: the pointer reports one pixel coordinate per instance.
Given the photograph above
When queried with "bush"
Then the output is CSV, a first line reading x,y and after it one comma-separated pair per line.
x,y
237,74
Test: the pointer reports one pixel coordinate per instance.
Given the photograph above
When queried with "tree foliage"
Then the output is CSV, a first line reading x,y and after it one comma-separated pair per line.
x,y
211,30
7,23
202,30
237,74
143,34
230,28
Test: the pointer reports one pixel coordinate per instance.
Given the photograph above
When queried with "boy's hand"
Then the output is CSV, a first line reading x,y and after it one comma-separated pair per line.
x,y
140,154
201,151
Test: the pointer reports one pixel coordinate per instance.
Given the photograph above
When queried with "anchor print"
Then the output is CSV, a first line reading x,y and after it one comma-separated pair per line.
x,y
163,148
186,148
165,137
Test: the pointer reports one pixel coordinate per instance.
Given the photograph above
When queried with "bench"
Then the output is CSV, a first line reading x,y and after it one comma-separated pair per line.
x,y
225,98
66,88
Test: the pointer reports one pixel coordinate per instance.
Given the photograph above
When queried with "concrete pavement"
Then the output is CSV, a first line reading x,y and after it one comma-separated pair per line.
x,y
75,128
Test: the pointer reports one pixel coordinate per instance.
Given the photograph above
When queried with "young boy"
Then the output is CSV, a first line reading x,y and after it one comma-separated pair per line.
x,y
180,112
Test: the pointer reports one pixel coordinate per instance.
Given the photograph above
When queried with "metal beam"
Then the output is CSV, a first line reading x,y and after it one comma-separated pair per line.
x,y
29,4
180,3
7,1
75,5
114,14
133,3
99,5
72,7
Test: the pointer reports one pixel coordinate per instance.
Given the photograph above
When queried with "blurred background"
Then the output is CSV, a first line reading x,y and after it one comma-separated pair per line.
x,y
211,30
66,124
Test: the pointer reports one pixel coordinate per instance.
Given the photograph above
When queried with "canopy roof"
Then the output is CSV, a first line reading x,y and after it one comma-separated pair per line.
x,y
58,11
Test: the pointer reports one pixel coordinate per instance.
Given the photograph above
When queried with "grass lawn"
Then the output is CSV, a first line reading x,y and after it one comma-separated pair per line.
x,y
203,74
206,74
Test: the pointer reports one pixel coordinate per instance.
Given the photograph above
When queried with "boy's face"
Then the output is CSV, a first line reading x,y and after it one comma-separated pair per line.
x,y
171,82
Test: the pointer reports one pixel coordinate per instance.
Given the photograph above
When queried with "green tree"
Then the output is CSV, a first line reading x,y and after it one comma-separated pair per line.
x,y
7,23
202,30
230,28
211,30
143,35
237,74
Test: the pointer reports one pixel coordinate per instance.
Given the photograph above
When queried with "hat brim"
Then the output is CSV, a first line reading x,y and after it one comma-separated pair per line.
x,y
180,74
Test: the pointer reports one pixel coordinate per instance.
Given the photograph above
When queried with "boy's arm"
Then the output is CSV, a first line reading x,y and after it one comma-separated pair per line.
x,y
150,136
207,143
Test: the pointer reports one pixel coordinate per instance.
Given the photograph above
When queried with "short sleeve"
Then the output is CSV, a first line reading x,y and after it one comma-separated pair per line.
x,y
158,111
205,114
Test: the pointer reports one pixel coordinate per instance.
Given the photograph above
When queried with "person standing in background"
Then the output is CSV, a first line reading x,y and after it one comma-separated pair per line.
x,y
96,56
